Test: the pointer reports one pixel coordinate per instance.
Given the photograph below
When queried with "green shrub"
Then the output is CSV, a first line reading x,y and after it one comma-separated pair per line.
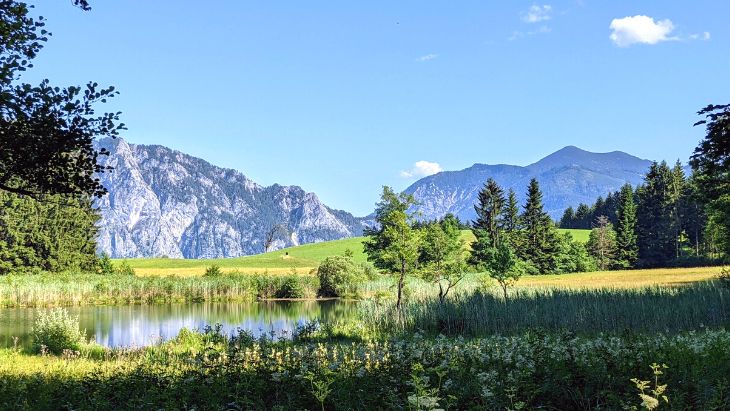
x,y
124,269
369,270
105,265
339,276
57,330
213,271
290,287
725,277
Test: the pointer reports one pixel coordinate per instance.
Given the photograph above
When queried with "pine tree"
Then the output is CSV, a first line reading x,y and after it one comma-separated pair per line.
x,y
710,163
583,216
568,219
627,249
540,236
656,233
489,224
55,234
511,218
677,192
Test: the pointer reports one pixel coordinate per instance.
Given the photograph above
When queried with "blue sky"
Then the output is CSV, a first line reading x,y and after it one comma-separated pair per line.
x,y
344,97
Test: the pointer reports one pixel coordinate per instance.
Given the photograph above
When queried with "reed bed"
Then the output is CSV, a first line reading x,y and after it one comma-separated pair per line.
x,y
72,289
585,311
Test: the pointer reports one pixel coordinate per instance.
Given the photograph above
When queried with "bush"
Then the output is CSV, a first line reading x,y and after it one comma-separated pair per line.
x,y
291,287
105,265
369,270
339,276
57,330
724,277
124,269
213,271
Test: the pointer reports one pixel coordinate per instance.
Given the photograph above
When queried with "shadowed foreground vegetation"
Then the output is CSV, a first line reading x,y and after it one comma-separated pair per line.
x,y
527,371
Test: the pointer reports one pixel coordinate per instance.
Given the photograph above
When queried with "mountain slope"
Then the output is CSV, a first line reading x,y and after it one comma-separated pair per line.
x,y
567,177
162,202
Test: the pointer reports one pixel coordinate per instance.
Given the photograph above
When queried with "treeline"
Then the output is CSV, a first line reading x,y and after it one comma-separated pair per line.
x,y
55,233
527,242
661,222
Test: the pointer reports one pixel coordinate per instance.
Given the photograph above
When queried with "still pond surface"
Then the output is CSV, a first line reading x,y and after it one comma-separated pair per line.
x,y
140,325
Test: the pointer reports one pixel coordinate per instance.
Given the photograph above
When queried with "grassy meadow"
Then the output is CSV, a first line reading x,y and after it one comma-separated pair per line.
x,y
300,259
568,341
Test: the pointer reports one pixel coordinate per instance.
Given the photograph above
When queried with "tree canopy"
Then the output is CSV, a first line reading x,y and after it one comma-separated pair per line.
x,y
46,131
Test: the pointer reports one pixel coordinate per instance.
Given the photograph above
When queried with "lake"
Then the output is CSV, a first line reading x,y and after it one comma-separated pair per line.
x,y
140,325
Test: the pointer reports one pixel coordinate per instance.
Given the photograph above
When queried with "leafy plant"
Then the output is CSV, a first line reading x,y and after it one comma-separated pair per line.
x,y
291,287
724,277
124,269
339,276
213,271
56,330
105,264
651,396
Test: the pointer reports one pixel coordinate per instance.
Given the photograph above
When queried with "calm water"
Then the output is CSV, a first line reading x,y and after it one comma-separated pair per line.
x,y
138,325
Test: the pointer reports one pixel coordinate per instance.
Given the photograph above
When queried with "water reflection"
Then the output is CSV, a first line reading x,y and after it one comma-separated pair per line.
x,y
138,325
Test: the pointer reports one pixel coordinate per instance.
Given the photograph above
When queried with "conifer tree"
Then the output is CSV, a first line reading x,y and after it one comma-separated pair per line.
x,y
540,236
656,232
489,224
627,250
511,218
568,219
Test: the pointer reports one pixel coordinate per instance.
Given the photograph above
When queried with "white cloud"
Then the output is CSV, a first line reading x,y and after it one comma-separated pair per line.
x,y
640,30
700,36
521,34
537,13
422,168
427,57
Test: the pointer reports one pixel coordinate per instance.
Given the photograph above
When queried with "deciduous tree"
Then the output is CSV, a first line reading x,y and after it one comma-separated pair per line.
x,y
394,244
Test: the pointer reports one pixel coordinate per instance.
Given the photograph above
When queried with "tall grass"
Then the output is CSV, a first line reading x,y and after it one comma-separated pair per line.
x,y
528,371
655,309
79,289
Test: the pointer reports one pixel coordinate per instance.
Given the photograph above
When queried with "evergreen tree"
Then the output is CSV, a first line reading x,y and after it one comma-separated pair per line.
x,y
677,192
610,207
511,217
710,163
56,234
568,219
627,251
656,232
540,236
583,216
694,218
489,224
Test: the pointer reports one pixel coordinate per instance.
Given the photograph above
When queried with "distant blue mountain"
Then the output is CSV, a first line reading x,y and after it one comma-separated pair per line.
x,y
567,177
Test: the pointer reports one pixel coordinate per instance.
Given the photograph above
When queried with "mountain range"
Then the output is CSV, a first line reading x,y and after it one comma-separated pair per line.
x,y
162,202
567,177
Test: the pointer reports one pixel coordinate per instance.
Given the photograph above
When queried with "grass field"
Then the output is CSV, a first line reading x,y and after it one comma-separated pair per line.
x,y
302,258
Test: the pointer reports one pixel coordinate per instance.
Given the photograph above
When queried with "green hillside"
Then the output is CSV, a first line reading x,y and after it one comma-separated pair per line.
x,y
301,258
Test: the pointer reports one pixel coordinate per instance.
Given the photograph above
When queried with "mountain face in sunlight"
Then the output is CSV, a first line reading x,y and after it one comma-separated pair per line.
x,y
567,177
163,202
